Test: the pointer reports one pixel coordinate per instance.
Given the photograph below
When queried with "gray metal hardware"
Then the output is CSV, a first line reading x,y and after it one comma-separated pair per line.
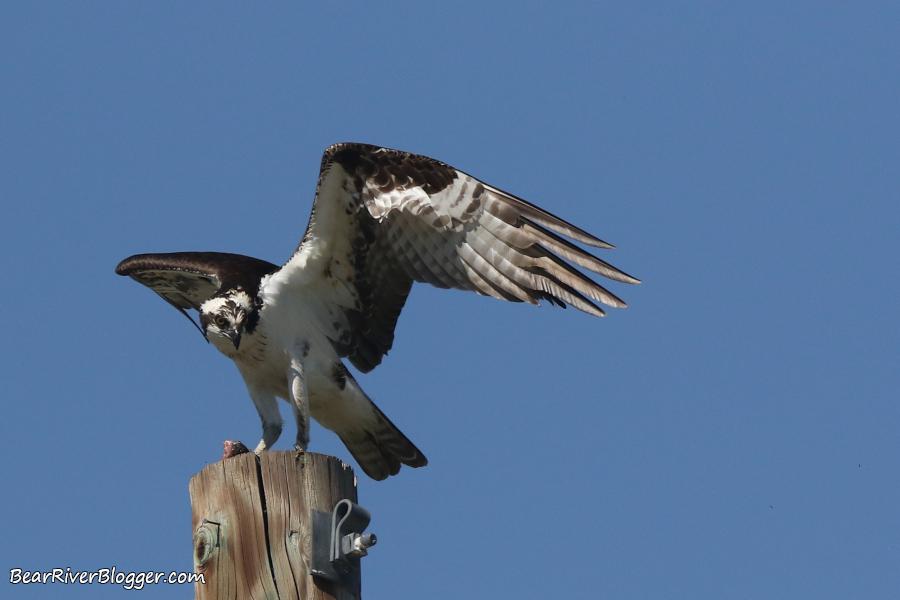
x,y
338,542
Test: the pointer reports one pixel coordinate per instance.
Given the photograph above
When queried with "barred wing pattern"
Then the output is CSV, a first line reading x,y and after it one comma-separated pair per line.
x,y
383,219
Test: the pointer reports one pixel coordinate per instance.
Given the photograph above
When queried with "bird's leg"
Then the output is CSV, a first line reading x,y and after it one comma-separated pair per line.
x,y
299,396
267,406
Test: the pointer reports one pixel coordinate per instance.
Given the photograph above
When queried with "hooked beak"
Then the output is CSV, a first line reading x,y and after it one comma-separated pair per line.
x,y
235,336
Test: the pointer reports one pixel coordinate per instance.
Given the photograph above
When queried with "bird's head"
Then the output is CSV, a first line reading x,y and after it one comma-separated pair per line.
x,y
226,317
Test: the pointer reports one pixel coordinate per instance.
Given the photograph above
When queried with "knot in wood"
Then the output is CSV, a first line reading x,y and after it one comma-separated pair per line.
x,y
206,540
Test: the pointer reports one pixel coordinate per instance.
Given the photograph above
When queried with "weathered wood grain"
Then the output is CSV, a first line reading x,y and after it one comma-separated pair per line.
x,y
252,524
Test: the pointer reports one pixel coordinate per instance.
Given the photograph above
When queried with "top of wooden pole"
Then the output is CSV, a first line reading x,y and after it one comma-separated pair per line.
x,y
252,523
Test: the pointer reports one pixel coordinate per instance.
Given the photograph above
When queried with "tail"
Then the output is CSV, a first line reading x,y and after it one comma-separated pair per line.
x,y
379,447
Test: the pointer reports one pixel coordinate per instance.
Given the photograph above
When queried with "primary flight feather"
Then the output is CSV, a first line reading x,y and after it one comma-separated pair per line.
x,y
381,220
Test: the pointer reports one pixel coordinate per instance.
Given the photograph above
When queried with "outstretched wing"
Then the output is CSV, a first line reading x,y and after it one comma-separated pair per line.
x,y
188,279
383,219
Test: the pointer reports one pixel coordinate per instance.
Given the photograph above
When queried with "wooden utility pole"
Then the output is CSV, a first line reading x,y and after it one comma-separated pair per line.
x,y
252,521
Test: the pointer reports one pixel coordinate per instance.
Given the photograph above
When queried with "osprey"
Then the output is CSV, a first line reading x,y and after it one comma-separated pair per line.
x,y
381,220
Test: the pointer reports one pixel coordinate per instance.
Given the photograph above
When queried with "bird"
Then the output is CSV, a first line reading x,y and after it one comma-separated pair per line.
x,y
381,220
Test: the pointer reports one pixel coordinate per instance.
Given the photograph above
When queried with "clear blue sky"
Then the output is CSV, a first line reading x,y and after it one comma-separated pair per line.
x,y
733,433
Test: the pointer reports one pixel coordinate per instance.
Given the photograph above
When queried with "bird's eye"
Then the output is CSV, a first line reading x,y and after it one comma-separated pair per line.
x,y
221,321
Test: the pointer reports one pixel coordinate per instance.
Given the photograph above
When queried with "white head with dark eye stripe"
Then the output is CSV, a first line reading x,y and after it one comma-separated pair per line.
x,y
225,319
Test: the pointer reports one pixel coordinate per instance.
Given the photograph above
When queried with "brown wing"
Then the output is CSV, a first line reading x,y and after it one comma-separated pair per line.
x,y
384,218
187,279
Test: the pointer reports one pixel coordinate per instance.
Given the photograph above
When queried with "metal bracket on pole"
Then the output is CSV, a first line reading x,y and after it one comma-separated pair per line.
x,y
338,543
